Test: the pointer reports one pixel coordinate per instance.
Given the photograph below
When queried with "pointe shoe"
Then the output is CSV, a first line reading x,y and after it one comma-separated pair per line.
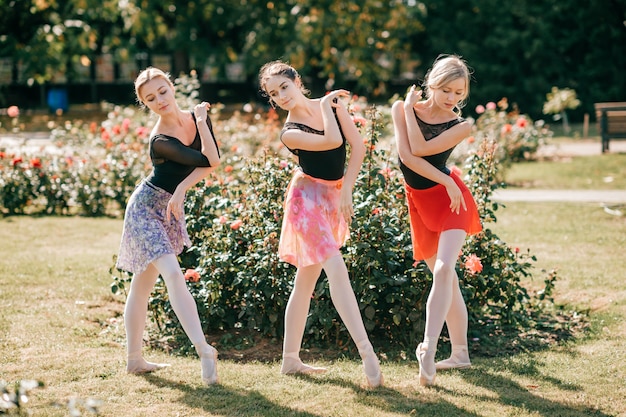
x,y
370,360
293,365
141,366
425,378
451,363
208,361
459,359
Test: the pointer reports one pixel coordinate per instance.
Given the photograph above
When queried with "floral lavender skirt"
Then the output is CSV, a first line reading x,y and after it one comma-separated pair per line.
x,y
147,235
313,228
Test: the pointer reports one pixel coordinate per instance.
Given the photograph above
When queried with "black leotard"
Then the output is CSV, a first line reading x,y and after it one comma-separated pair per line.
x,y
173,161
412,178
326,165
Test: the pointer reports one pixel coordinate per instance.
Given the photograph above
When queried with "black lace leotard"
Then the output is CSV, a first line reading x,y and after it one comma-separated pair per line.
x,y
327,165
412,178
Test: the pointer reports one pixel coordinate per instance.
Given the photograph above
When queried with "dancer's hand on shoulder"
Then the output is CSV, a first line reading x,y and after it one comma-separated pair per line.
x,y
200,111
333,97
412,97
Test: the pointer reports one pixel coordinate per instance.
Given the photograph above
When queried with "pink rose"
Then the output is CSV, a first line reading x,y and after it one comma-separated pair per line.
x,y
491,105
13,111
359,121
480,109
125,124
236,224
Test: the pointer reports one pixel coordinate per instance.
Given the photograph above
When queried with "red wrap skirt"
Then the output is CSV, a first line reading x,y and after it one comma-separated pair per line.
x,y
429,213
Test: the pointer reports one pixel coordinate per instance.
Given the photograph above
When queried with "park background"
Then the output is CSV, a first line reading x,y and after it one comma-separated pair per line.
x,y
88,51
547,335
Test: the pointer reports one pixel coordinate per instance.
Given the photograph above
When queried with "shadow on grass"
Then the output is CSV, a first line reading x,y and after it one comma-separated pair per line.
x,y
230,402
511,394
508,393
389,400
227,401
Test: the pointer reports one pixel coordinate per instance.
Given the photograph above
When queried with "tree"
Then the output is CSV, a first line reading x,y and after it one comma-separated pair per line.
x,y
50,38
366,42
520,49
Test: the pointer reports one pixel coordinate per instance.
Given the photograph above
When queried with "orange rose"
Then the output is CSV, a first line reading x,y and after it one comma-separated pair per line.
x,y
192,275
236,224
473,264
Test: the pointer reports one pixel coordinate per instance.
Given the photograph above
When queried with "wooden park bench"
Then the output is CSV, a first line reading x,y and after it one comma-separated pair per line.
x,y
611,119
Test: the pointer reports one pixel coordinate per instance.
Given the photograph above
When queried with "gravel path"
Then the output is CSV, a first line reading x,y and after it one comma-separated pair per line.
x,y
582,196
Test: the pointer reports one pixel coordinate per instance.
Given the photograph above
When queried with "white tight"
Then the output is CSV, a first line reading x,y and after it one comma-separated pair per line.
x,y
341,293
183,303
445,301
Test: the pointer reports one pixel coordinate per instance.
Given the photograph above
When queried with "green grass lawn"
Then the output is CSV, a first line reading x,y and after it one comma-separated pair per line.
x,y
595,172
60,324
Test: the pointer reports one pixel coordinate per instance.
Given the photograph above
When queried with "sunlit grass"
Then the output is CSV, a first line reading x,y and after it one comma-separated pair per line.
x,y
61,325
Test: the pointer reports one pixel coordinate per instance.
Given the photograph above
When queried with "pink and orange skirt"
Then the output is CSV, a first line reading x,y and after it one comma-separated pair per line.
x,y
313,229
429,213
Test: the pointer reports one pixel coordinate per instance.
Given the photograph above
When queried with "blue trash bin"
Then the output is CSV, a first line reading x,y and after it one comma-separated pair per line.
x,y
57,100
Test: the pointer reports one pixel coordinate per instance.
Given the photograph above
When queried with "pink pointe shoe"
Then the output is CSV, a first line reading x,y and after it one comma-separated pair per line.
x,y
136,364
293,365
371,366
459,359
425,378
208,361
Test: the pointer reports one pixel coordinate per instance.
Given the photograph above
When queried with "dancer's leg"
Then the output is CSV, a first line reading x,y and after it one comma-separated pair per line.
x,y
347,306
343,297
182,302
295,320
456,322
186,310
441,293
135,313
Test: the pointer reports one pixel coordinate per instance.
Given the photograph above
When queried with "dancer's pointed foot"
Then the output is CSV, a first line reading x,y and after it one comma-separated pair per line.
x,y
427,376
208,361
371,366
293,365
